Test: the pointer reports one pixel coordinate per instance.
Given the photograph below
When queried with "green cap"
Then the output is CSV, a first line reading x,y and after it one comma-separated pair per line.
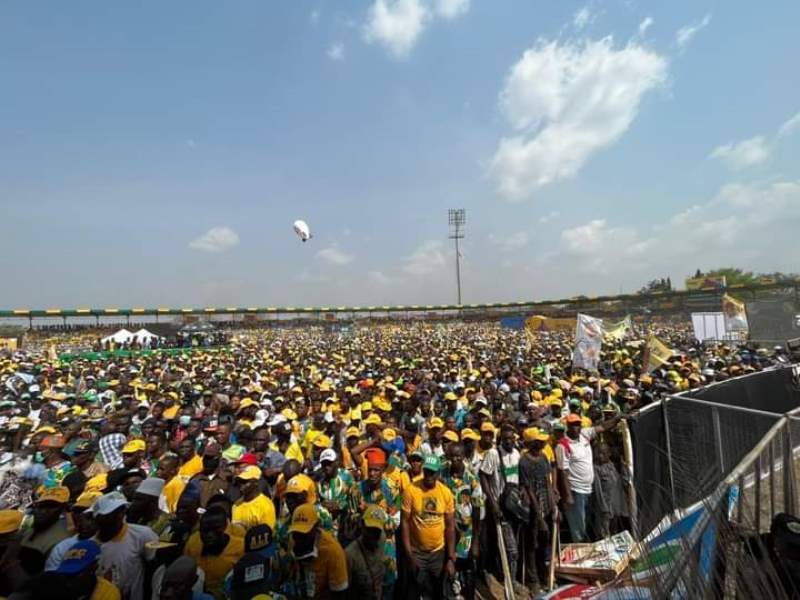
x,y
432,463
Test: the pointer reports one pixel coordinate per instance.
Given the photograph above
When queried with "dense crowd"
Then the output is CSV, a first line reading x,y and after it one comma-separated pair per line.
x,y
388,461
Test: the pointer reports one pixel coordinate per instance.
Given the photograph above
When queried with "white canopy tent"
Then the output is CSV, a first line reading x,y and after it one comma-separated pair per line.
x,y
120,337
144,336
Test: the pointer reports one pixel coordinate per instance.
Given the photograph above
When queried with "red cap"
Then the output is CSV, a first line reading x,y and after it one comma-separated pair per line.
x,y
249,458
573,418
375,457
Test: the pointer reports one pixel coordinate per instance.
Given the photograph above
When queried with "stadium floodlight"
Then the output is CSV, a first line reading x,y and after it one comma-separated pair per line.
x,y
457,220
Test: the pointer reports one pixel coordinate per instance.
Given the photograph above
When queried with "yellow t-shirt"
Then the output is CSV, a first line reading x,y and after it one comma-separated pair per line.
x,y
293,452
259,511
191,468
329,567
406,480
172,492
216,568
425,511
105,590
171,411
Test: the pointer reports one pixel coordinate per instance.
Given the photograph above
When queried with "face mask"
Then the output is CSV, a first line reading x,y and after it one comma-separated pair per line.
x,y
38,457
184,420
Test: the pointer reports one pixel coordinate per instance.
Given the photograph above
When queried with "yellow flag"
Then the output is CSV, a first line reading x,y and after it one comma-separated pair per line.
x,y
656,353
617,331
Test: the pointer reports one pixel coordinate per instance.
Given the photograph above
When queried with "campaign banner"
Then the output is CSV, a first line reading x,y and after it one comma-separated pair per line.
x,y
657,353
735,315
588,342
618,331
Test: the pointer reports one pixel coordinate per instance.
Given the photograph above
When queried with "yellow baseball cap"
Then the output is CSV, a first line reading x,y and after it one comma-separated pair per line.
x,y
304,519
373,419
58,494
250,473
435,422
389,434
352,432
535,434
450,436
133,446
374,516
470,434
10,521
87,498
322,441
300,484
487,426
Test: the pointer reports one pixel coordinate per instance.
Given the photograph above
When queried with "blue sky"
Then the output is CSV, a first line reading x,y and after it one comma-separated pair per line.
x,y
157,153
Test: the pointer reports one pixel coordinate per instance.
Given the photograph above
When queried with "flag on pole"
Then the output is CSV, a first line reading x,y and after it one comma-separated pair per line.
x,y
618,331
588,342
656,354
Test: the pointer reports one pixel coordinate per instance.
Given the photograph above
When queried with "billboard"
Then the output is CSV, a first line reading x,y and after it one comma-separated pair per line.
x,y
705,283
709,326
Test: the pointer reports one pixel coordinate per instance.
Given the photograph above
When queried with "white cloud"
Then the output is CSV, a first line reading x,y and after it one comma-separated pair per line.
x,y
216,239
511,242
334,256
645,25
567,101
583,17
396,24
552,215
379,278
790,126
336,51
746,153
314,17
429,257
451,9
741,226
685,34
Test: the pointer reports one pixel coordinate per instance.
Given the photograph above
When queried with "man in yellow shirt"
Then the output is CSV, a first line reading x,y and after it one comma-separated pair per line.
x,y
428,531
215,551
322,561
191,463
168,471
253,508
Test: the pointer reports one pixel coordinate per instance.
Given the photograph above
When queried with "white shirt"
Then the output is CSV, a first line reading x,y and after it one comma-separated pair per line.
x,y
578,461
124,557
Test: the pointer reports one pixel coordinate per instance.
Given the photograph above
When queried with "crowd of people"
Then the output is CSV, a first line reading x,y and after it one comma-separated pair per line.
x,y
394,460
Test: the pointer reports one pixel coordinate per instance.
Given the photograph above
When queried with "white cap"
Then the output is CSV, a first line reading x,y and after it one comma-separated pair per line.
x,y
152,486
328,454
108,503
276,420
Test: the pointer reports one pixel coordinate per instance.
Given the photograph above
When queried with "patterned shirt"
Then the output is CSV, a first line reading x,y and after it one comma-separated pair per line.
x,y
341,490
111,449
468,496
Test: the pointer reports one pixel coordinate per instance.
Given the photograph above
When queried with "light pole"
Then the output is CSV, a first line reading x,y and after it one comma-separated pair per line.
x,y
457,220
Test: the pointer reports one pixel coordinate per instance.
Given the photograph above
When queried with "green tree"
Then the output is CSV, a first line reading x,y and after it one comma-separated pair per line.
x,y
733,276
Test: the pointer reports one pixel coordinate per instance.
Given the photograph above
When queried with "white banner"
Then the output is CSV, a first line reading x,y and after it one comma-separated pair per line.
x,y
588,341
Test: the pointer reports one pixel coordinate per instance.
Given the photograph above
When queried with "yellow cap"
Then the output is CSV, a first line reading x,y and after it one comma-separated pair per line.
x,y
247,402
133,446
352,432
87,498
373,419
10,521
389,434
250,473
322,441
435,422
535,434
304,518
58,494
450,435
299,484
487,426
374,516
469,434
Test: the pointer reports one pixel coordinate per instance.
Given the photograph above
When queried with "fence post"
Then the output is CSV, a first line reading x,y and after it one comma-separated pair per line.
x,y
718,440
669,452
789,500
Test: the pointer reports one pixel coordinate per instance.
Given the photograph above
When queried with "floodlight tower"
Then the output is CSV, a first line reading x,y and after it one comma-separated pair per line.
x,y
457,219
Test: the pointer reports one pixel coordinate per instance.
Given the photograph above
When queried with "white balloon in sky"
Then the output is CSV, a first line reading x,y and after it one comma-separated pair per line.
x,y
302,230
